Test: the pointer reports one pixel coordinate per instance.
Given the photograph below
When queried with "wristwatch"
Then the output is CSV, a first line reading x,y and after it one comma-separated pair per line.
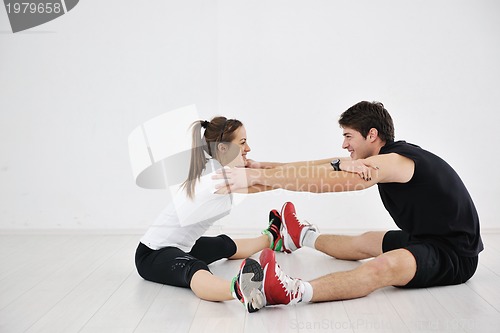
x,y
335,164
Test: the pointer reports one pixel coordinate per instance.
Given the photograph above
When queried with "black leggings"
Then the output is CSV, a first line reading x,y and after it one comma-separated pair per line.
x,y
172,266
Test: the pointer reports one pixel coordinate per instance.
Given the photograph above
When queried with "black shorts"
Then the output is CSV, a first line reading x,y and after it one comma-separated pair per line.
x,y
172,266
437,264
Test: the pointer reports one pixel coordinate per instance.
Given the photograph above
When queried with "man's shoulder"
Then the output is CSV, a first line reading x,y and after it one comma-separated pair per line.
x,y
395,146
394,167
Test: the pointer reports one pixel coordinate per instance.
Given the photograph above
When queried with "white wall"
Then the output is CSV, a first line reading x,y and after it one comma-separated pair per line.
x,y
73,89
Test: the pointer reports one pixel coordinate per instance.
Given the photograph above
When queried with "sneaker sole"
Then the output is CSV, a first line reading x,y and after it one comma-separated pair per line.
x,y
250,282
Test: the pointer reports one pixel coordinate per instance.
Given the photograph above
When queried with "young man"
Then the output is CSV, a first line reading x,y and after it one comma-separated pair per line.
x,y
438,240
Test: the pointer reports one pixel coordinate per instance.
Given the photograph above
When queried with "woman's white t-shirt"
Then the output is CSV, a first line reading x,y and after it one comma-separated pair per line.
x,y
185,220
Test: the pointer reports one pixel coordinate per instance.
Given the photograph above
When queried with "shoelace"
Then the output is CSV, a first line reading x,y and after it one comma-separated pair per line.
x,y
301,222
305,223
290,285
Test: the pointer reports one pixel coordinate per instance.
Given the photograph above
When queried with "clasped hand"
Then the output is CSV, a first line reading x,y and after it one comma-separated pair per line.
x,y
234,178
362,167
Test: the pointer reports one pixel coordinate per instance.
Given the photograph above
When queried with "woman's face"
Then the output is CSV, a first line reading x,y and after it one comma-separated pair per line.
x,y
235,155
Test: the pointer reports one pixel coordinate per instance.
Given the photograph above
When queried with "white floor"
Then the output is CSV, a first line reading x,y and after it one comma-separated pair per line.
x,y
85,283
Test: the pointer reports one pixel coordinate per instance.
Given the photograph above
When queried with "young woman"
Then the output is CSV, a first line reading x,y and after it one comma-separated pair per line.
x,y
173,250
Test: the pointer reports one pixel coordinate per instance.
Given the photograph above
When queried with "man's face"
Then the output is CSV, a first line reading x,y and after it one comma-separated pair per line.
x,y
358,146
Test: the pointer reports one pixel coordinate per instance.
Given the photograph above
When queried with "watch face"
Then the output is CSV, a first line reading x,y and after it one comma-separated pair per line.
x,y
335,164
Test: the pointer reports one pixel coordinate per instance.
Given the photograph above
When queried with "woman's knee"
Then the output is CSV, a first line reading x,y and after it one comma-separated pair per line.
x,y
229,246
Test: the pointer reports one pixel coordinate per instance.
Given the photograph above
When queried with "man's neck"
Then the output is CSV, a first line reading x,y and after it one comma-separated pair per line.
x,y
379,146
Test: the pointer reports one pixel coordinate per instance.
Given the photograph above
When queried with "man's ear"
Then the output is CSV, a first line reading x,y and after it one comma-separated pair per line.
x,y
372,134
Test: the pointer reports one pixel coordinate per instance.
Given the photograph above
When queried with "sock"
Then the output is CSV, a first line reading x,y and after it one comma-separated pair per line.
x,y
310,238
307,294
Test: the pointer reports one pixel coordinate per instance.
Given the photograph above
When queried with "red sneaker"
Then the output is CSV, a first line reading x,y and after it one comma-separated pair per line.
x,y
293,230
278,287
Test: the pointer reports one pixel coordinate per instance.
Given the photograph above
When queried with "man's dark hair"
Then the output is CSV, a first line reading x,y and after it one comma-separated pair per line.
x,y
364,116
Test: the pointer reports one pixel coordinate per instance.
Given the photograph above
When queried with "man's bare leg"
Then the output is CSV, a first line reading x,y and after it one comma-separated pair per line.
x,y
367,245
393,268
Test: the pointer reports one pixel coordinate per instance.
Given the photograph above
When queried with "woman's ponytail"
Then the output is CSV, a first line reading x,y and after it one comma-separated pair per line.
x,y
198,159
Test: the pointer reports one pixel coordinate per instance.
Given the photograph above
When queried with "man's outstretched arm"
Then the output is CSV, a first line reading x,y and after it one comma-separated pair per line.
x,y
360,175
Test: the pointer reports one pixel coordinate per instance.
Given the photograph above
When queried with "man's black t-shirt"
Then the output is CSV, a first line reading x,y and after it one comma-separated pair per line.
x,y
434,206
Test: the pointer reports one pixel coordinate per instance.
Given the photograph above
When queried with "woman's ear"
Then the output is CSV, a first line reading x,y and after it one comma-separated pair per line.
x,y
222,147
